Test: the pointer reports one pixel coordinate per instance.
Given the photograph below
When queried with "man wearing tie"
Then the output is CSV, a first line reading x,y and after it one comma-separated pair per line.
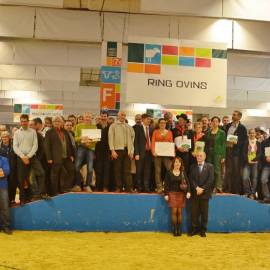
x,y
201,180
143,156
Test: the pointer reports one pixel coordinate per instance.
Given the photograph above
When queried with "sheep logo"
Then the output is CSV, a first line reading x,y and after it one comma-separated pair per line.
x,y
151,53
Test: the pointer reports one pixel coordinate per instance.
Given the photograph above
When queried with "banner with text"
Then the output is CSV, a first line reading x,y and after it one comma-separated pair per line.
x,y
37,110
177,72
110,79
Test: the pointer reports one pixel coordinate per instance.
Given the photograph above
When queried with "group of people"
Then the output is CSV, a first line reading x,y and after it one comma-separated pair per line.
x,y
47,158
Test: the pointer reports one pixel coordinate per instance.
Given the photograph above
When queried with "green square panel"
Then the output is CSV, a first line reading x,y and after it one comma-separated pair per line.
x,y
136,52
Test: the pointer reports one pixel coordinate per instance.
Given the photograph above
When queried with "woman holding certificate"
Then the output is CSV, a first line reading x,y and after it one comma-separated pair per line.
x,y
176,189
215,147
251,156
182,138
162,150
197,142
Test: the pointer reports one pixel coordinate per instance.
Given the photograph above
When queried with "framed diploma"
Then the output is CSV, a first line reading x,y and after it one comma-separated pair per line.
x,y
267,151
93,134
165,149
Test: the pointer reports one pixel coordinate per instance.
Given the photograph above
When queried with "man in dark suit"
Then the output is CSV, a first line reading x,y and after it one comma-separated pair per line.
x,y
60,155
201,180
234,154
143,155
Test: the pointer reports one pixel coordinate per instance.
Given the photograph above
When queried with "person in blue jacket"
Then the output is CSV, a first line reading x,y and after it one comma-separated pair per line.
x,y
4,201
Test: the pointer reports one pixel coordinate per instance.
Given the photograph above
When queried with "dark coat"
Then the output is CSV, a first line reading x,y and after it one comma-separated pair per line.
x,y
241,132
53,146
140,140
265,143
204,180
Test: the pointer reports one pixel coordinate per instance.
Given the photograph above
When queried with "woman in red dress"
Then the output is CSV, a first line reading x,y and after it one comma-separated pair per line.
x,y
176,189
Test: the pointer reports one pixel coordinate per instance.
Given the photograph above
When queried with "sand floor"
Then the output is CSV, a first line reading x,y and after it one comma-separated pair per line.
x,y
67,250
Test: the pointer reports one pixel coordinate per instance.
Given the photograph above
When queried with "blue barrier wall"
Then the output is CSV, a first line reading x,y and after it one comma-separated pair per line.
x,y
135,212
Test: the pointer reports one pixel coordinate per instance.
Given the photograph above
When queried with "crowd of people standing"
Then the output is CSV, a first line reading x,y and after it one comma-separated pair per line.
x,y
50,157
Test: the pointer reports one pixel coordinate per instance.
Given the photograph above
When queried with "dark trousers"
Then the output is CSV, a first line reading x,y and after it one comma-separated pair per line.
x,y
143,172
62,176
24,173
199,214
12,184
4,208
122,167
103,162
232,181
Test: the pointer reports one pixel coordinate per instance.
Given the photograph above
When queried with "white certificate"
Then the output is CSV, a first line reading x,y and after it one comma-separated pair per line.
x,y
165,149
267,151
182,142
232,138
93,134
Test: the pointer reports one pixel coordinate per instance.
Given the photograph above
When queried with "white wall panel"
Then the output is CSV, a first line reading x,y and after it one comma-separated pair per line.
x,y
114,24
203,29
249,84
248,65
252,36
18,85
58,73
41,53
59,86
17,72
68,25
211,8
148,25
247,9
6,52
84,55
41,3
17,22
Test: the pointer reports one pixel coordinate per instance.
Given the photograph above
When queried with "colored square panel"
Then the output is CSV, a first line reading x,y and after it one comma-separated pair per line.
x,y
110,74
136,52
117,88
169,60
51,107
117,106
26,108
153,69
152,54
134,67
109,61
187,61
59,107
116,62
117,97
112,49
186,51
203,62
203,52
107,96
219,53
17,108
34,106
170,50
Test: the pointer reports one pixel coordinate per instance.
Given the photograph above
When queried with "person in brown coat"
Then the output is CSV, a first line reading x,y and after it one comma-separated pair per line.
x,y
60,156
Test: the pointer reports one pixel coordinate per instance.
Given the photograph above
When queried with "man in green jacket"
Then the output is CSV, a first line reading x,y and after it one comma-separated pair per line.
x,y
85,153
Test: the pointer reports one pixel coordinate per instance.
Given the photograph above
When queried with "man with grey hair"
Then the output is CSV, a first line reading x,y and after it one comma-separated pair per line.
x,y
121,143
60,155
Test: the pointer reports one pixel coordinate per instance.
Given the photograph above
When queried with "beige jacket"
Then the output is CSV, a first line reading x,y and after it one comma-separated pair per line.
x,y
117,137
